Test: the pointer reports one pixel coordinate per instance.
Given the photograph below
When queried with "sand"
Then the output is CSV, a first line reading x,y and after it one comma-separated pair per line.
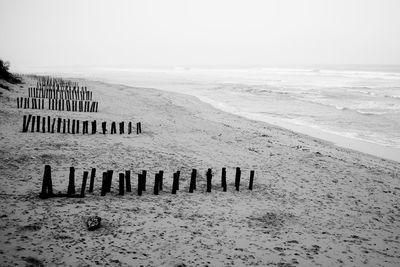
x,y
313,204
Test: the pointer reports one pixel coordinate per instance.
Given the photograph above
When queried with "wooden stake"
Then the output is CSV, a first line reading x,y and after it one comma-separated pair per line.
x,y
83,188
209,177
92,175
192,181
251,180
71,184
237,178
121,184
104,184
161,175
140,186
156,184
223,179
128,181
144,174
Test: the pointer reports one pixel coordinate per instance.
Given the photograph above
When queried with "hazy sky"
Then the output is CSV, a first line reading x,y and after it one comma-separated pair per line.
x,y
203,32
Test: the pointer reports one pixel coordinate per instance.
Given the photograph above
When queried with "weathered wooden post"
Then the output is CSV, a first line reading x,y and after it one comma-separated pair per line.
x,y
121,184
174,183
43,124
92,175
137,128
192,185
85,127
33,124
144,174
128,181
69,125
113,128
73,127
77,126
209,177
47,185
94,127
223,179
129,127
59,120
26,122
109,180
52,125
251,180
237,178
121,127
71,184
38,123
64,126
156,184
140,186
84,180
104,184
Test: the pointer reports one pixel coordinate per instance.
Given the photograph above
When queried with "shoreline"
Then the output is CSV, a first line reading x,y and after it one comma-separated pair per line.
x,y
313,203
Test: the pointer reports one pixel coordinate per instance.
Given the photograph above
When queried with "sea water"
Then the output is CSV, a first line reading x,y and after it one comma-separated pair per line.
x,y
354,106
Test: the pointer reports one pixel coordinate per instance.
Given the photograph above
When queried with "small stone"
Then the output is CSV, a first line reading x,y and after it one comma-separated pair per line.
x,y
93,222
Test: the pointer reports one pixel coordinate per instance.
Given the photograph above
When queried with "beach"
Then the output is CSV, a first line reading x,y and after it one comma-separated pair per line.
x,y
313,203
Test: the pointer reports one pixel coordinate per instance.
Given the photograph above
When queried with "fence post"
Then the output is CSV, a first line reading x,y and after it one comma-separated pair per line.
x,y
113,128
128,181
47,186
174,183
33,124
92,175
223,179
209,177
71,184
38,123
103,125
109,180
251,180
59,120
140,186
84,180
192,181
156,184
43,124
237,178
144,174
121,184
104,184
121,127
129,127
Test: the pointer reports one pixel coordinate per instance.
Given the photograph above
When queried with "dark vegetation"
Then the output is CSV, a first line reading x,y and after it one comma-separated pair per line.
x,y
6,75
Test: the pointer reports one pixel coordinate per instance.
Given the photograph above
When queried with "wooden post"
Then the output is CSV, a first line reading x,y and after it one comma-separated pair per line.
x,y
140,127
84,180
174,184
161,175
77,126
85,127
156,184
113,128
192,181
43,124
140,186
103,125
251,180
73,127
52,125
94,127
47,185
144,174
137,128
59,120
92,175
26,122
33,124
209,177
128,181
64,126
223,179
121,184
237,178
38,123
121,127
71,184
104,184
129,127
69,122
109,180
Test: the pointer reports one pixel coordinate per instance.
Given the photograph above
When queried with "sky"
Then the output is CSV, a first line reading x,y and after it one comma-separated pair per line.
x,y
123,33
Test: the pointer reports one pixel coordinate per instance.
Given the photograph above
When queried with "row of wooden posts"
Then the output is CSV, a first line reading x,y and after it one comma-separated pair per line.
x,y
125,182
58,104
52,82
70,93
60,125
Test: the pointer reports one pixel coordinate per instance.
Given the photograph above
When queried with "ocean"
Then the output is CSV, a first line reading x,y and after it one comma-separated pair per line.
x,y
357,107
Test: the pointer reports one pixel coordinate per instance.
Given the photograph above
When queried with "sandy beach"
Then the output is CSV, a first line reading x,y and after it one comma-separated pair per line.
x,y
313,204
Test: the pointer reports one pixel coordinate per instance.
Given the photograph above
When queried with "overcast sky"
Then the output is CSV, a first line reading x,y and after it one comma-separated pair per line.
x,y
198,33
